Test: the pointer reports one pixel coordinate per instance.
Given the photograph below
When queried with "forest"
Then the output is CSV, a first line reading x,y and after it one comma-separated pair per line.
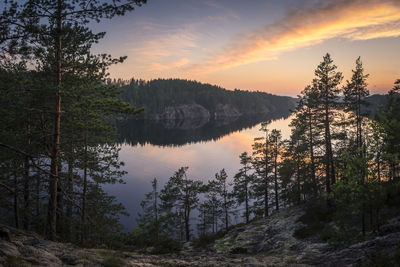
x,y
59,112
156,95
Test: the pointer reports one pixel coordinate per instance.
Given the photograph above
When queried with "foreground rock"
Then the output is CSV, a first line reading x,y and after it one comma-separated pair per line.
x,y
272,239
26,249
265,242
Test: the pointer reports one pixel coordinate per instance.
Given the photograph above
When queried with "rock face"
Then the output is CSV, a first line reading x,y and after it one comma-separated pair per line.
x,y
193,111
196,111
225,111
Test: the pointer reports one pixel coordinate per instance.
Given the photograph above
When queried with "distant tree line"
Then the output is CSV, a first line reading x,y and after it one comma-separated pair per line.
x,y
156,95
335,155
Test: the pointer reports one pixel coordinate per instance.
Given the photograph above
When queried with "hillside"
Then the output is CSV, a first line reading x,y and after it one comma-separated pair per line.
x,y
182,99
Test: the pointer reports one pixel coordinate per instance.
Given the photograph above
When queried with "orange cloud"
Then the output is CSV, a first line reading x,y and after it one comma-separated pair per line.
x,y
354,20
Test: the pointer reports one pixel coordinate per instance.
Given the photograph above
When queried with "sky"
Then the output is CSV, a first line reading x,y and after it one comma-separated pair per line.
x,y
267,45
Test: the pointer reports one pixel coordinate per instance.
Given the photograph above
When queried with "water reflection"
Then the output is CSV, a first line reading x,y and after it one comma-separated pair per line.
x,y
179,133
157,150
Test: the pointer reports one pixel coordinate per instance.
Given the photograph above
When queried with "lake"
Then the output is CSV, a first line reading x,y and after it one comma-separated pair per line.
x,y
156,150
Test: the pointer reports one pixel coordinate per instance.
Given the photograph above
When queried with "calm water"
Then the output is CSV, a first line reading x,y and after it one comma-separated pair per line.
x,y
159,149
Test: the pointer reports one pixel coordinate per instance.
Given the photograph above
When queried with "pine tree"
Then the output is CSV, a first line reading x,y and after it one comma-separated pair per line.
x,y
305,122
213,203
262,164
149,220
391,127
326,86
55,35
275,139
181,193
354,97
223,191
355,93
241,184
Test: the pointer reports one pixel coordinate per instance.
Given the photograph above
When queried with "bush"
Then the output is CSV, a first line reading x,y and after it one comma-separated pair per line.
x,y
380,258
341,236
317,215
205,240
111,260
238,250
166,246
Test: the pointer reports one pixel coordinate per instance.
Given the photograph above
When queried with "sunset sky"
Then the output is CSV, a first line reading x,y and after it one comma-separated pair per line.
x,y
267,45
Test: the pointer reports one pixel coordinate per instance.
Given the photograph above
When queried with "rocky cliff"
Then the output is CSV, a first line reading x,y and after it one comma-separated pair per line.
x,y
196,111
181,112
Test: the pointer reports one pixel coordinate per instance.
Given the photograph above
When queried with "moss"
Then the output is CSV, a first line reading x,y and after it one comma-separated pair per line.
x,y
224,245
13,261
113,261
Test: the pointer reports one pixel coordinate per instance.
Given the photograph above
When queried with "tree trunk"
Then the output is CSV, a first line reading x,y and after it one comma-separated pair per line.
x,y
329,168
38,203
378,161
298,181
84,193
276,180
187,226
226,209
52,206
27,203
247,200
16,204
327,154
60,202
156,211
70,188
311,144
266,211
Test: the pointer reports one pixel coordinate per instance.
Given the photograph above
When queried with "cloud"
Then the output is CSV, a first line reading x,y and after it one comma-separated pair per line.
x,y
354,20
157,52
226,9
156,66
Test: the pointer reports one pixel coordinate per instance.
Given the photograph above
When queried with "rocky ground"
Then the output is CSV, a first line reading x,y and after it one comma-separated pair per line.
x,y
266,242
273,240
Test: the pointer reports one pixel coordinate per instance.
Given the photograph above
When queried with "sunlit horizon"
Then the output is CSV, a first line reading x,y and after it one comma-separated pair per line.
x,y
265,46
